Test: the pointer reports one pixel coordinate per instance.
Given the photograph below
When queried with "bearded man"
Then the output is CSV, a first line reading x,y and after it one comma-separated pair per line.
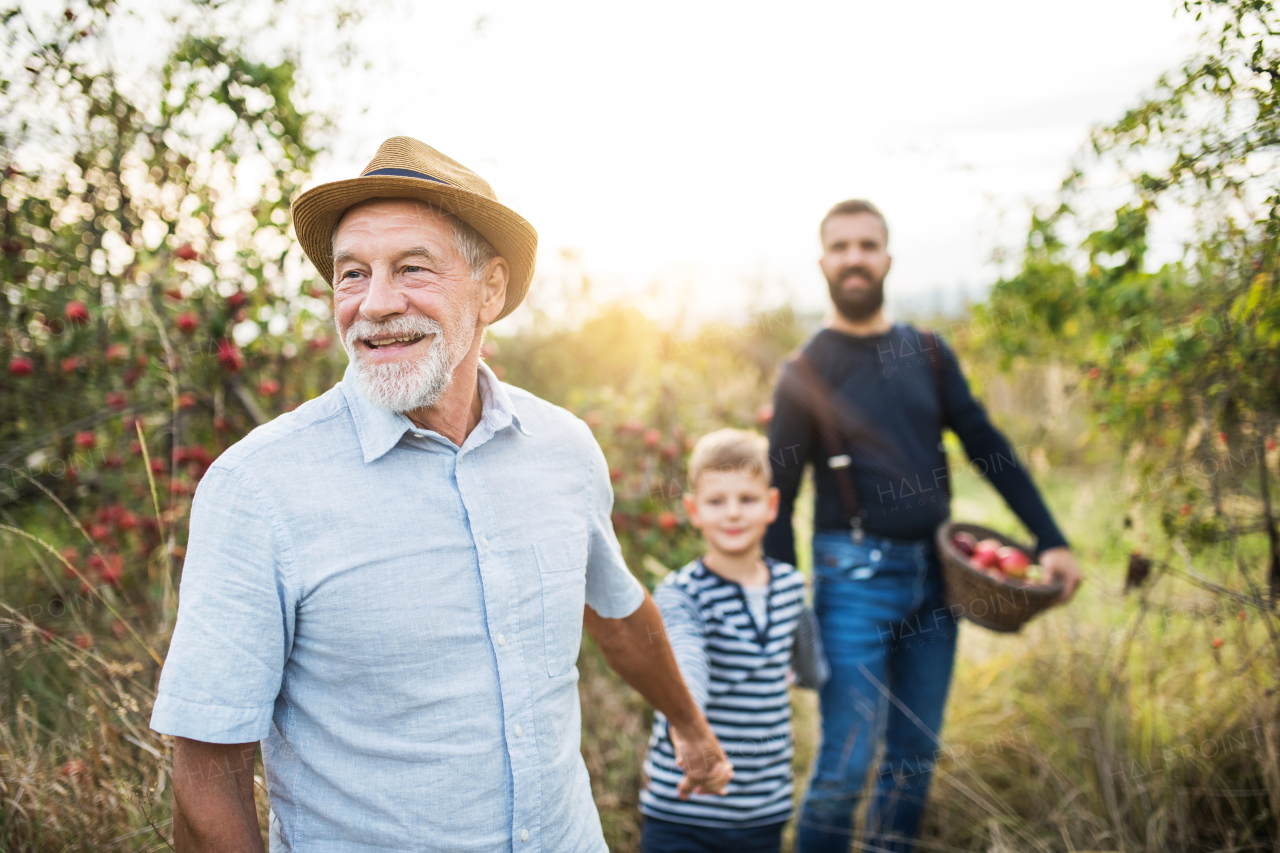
x,y
865,403
387,586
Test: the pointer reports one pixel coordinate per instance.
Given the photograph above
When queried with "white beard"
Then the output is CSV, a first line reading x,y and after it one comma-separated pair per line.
x,y
408,385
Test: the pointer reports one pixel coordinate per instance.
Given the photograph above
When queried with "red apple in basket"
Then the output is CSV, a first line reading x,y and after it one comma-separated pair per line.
x,y
965,543
985,553
1012,561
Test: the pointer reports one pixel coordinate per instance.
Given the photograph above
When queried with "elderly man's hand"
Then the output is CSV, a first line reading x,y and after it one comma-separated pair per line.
x,y
1060,564
698,752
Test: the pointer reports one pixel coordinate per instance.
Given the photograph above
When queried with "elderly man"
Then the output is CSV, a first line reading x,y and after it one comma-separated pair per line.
x,y
387,587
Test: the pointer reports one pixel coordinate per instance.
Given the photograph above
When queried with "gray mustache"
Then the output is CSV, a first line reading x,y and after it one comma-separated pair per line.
x,y
399,326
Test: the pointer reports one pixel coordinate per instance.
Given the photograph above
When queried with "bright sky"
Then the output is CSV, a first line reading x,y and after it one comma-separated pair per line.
x,y
685,152
689,150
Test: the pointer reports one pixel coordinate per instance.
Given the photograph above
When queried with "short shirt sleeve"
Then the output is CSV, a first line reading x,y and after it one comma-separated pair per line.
x,y
612,591
235,617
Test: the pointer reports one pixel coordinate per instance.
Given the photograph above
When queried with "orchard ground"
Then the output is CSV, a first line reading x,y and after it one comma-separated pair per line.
x,y
1140,720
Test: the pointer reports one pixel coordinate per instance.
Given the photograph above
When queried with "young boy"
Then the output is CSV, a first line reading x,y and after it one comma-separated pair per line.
x,y
737,625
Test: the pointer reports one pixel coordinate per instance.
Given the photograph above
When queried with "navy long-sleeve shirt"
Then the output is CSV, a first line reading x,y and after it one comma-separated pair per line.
x,y
887,400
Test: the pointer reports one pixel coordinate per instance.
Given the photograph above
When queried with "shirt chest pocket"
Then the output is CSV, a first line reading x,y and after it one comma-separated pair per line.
x,y
562,568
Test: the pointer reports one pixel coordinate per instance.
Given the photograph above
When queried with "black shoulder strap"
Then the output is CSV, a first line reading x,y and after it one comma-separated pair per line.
x,y
818,402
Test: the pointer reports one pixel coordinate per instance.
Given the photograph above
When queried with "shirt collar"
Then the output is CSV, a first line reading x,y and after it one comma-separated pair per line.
x,y
380,430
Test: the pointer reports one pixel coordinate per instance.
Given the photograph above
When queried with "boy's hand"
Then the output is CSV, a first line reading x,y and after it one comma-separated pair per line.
x,y
706,768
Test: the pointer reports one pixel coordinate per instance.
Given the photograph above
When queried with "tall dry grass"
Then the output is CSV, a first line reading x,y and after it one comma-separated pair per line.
x,y
1116,724
1130,733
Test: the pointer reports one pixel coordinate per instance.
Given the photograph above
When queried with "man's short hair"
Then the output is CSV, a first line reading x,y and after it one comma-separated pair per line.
x,y
730,450
474,248
852,207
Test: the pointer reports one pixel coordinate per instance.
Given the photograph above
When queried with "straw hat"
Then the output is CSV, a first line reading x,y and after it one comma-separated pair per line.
x,y
407,168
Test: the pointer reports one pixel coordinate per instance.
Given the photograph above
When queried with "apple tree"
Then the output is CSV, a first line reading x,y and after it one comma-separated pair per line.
x,y
154,305
1179,362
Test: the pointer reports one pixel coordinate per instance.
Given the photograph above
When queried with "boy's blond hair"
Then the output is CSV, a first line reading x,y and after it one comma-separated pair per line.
x,y
730,450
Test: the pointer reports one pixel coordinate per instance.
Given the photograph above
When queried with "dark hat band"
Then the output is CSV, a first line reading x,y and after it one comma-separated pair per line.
x,y
402,173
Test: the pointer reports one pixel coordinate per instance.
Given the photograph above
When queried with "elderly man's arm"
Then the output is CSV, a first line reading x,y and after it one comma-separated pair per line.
x,y
213,807
636,647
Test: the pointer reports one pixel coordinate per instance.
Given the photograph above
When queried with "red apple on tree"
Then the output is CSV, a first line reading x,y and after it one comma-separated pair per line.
x,y
114,570
186,252
229,356
187,322
76,311
20,365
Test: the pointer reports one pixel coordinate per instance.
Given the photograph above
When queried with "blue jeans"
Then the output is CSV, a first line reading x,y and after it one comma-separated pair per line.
x,y
891,642
664,836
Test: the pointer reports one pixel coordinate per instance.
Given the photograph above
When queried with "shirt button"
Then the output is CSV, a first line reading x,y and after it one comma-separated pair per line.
x,y
875,555
524,835
484,543
502,639
519,732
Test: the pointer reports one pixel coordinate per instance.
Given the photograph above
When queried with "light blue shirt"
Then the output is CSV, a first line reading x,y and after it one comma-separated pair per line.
x,y
398,619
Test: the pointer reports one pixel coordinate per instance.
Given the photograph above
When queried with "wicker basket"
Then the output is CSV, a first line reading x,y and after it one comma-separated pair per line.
x,y
984,600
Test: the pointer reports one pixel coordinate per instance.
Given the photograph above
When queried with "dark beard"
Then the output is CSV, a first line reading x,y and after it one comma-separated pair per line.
x,y
858,305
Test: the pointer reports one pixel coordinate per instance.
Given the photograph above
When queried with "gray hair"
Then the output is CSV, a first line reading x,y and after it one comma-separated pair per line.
x,y
476,251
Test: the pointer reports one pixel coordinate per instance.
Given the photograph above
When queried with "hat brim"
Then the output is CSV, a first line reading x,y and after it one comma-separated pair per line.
x,y
318,210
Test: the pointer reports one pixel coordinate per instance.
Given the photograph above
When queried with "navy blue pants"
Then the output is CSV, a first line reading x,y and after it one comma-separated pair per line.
x,y
891,642
664,836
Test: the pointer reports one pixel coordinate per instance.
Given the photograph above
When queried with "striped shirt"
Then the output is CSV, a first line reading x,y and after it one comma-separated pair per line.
x,y
737,672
